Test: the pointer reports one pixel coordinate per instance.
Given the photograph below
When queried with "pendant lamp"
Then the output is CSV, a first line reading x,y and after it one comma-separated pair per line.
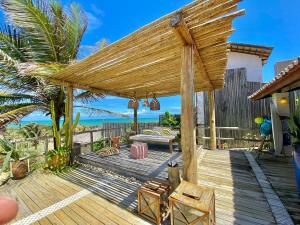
x,y
154,104
146,102
133,103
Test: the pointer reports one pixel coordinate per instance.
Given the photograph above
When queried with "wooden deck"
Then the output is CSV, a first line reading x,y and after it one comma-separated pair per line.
x,y
281,174
239,197
109,198
48,199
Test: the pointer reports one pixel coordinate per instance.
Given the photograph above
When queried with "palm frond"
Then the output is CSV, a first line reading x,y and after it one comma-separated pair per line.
x,y
101,111
35,20
87,96
75,27
12,107
13,43
33,69
17,114
6,59
7,97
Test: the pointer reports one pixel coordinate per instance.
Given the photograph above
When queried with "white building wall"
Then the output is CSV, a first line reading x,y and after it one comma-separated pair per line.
x,y
252,63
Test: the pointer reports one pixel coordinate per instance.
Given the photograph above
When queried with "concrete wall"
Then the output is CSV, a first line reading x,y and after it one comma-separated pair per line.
x,y
252,64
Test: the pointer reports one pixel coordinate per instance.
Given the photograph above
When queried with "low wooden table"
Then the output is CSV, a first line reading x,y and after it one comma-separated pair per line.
x,y
155,139
192,204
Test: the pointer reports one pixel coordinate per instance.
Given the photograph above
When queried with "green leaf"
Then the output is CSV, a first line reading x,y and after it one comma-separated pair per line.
x,y
36,22
6,162
17,114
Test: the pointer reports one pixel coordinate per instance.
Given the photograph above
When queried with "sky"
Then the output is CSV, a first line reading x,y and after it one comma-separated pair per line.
x,y
272,23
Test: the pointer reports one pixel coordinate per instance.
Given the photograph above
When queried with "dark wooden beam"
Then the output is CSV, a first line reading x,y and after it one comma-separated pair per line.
x,y
135,116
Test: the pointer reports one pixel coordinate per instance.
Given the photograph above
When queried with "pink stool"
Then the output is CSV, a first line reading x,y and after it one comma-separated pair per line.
x,y
139,150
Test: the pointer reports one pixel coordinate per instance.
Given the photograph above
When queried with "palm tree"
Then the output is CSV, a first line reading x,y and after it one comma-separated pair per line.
x,y
42,37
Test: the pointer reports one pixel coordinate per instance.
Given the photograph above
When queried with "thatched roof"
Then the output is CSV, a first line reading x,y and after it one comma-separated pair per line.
x,y
286,80
149,60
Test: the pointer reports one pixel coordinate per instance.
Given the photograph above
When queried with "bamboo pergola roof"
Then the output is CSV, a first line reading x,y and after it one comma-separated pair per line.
x,y
286,80
149,60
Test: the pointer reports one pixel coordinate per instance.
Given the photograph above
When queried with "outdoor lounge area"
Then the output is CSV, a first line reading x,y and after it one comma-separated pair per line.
x,y
171,171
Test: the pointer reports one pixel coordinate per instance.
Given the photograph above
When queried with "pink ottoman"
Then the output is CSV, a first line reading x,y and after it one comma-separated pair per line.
x,y
139,150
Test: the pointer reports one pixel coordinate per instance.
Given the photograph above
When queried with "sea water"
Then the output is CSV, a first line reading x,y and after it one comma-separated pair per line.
x,y
86,122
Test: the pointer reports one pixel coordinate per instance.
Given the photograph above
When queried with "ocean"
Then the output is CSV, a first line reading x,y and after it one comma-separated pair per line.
x,y
86,122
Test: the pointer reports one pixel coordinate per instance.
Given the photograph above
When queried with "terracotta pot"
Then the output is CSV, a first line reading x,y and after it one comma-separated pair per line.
x,y
19,169
116,142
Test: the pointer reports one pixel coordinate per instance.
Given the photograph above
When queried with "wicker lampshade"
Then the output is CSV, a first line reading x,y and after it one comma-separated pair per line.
x,y
154,104
133,103
146,102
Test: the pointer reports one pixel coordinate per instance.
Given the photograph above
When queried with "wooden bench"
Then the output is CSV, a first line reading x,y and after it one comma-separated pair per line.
x,y
155,139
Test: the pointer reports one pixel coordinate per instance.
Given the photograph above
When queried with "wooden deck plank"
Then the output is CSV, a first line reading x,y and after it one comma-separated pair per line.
x,y
280,172
41,191
239,197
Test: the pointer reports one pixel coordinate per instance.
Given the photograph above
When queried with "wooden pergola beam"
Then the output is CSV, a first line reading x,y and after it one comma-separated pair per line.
x,y
188,125
184,35
212,120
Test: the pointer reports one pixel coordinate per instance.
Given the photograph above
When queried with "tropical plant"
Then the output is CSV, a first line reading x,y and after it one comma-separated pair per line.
x,y
58,158
294,126
6,147
43,38
169,120
101,143
65,129
32,130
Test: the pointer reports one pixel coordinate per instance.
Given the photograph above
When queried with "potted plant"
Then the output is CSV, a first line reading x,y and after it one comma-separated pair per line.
x,y
59,158
294,126
19,166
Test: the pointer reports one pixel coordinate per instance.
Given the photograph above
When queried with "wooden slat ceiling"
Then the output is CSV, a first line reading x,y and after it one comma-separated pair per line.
x,y
149,60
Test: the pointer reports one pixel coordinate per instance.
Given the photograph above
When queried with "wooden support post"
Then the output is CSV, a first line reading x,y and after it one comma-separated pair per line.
x,y
135,121
92,141
71,108
188,128
212,120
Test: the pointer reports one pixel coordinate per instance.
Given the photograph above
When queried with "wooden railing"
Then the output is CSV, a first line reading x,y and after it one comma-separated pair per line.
x,y
236,135
89,137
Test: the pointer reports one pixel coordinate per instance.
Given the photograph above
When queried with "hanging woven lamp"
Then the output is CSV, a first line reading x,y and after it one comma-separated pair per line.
x,y
154,104
133,103
146,102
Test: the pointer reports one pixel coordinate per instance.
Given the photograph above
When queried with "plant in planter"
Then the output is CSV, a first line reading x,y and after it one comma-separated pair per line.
x,y
59,158
294,126
170,121
19,167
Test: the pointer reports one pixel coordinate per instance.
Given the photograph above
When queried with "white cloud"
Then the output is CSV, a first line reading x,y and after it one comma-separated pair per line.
x,y
97,10
130,112
94,22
